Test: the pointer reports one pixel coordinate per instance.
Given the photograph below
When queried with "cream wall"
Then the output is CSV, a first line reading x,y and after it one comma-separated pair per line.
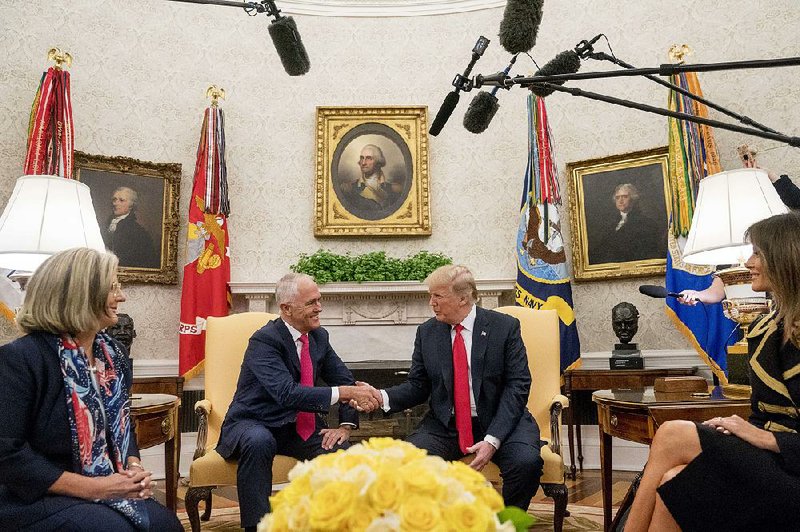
x,y
141,69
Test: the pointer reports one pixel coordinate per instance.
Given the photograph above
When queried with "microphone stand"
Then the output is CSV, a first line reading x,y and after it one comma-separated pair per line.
x,y
265,6
602,56
791,141
663,70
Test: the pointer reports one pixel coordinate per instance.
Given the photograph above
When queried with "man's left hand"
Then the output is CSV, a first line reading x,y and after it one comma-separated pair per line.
x,y
483,453
332,437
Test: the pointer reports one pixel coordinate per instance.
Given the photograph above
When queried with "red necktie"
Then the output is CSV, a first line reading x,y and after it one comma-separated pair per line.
x,y
461,391
305,420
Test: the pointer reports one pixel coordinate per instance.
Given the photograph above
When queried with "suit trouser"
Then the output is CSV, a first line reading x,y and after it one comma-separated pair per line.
x,y
520,463
256,451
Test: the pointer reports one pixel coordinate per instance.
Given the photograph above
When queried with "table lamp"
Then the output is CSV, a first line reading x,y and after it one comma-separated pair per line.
x,y
44,215
727,204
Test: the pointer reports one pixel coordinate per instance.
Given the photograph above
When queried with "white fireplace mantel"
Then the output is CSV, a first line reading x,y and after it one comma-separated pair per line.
x,y
372,320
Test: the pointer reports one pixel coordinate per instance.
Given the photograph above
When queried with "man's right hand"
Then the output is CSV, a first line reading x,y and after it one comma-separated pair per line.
x,y
362,396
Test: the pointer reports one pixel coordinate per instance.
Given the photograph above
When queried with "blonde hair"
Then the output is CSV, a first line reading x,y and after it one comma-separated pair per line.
x,y
458,278
778,241
68,292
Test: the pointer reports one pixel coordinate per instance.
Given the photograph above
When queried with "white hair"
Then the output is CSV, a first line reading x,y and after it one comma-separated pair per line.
x,y
286,289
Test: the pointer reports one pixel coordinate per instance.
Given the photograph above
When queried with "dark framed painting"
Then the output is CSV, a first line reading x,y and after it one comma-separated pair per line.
x,y
619,210
372,172
137,209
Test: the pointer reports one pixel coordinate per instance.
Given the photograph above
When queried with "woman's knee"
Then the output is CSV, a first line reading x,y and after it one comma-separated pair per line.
x,y
670,474
674,434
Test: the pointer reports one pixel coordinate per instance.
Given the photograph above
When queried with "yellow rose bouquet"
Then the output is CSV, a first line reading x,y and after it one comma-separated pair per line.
x,y
388,485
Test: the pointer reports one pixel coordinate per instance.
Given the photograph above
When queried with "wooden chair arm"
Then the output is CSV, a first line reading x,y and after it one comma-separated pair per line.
x,y
202,408
557,404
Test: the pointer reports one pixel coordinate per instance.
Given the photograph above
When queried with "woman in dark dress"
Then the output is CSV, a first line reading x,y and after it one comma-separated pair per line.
x,y
728,473
68,454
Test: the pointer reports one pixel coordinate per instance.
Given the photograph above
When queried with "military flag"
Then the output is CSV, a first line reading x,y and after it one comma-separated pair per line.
x,y
208,269
542,276
692,156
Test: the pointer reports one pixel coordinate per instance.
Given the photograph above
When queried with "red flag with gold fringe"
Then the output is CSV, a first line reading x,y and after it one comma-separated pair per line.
x,y
208,269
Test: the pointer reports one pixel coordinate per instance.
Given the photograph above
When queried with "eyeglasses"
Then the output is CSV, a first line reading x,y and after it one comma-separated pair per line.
x,y
116,289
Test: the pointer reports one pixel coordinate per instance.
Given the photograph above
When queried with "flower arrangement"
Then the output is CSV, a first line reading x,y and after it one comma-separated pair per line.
x,y
388,485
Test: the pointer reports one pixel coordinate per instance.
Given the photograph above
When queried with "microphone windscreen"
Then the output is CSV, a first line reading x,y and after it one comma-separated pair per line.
x,y
290,48
520,25
447,108
653,290
567,62
480,112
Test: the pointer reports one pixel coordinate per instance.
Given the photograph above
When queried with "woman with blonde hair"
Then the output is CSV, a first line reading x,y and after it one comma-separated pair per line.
x,y
68,454
728,473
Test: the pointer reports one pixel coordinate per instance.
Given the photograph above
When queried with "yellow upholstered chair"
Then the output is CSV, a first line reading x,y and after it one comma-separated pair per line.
x,y
226,342
540,333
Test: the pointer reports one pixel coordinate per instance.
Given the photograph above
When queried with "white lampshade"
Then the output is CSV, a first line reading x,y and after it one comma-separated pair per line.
x,y
46,214
727,204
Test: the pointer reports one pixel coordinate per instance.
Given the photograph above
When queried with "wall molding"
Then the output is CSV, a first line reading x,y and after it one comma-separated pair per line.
x,y
384,8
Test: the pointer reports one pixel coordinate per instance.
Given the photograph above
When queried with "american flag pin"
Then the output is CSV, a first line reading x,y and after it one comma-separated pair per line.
x,y
483,333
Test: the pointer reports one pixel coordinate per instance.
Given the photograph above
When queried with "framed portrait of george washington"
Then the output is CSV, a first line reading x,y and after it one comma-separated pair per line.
x,y
372,172
619,213
137,209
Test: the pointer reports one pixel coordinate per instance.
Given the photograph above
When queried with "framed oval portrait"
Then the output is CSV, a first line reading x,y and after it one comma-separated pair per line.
x,y
372,171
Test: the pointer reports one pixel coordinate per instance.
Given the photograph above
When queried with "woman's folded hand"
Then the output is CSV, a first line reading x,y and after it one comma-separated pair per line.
x,y
130,484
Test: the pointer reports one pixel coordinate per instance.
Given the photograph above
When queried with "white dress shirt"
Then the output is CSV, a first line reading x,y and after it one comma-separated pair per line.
x,y
299,345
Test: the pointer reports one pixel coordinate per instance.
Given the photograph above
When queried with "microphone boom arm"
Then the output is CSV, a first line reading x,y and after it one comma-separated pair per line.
x,y
265,6
791,141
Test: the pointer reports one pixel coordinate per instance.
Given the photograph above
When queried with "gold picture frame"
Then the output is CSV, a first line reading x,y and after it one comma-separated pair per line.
x,y
392,144
146,239
603,245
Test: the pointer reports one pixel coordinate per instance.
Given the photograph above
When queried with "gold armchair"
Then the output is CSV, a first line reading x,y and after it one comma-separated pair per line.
x,y
540,333
226,342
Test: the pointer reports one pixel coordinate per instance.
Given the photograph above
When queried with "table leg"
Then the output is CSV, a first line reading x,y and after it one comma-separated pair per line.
x,y
171,451
580,447
605,476
571,436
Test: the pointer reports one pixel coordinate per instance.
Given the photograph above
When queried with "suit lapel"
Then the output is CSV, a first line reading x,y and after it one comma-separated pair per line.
x,y
480,339
444,344
291,347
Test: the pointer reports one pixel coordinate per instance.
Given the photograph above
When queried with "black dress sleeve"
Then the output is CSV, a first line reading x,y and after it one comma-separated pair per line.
x,y
789,442
788,192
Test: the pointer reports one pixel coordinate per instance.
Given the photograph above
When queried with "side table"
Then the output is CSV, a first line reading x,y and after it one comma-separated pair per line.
x,y
603,379
155,419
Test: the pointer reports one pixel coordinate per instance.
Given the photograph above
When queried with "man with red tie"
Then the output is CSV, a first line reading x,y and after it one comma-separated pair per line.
x,y
471,364
276,408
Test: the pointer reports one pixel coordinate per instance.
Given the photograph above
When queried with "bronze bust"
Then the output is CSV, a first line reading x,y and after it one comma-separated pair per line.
x,y
625,321
123,332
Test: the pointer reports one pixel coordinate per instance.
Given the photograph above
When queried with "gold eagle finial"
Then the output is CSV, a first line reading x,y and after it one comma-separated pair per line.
x,y
215,93
60,57
678,52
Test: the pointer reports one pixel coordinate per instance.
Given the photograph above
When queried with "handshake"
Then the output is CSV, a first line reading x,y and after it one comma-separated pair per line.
x,y
363,397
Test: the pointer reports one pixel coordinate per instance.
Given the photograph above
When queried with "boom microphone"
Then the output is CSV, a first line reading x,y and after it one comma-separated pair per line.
x,y
567,62
660,292
461,82
520,25
290,48
483,107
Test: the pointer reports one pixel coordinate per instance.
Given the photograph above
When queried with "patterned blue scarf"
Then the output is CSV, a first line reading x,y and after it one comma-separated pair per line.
x,y
99,417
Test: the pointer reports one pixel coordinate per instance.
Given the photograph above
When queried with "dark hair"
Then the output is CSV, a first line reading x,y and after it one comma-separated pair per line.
x,y
777,240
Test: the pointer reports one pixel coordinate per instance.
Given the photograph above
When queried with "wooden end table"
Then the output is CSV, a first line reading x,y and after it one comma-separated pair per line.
x,y
155,419
601,379
635,415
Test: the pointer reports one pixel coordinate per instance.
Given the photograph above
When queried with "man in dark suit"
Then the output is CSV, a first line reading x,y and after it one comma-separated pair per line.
x,y
472,366
276,407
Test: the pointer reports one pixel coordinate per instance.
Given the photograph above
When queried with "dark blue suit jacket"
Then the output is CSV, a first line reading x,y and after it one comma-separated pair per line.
x,y
268,392
35,440
501,379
